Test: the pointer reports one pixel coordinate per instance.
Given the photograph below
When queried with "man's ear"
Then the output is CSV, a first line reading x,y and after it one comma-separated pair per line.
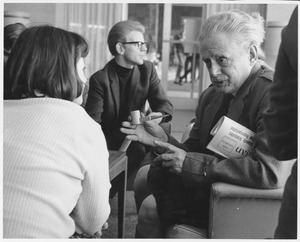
x,y
120,48
253,54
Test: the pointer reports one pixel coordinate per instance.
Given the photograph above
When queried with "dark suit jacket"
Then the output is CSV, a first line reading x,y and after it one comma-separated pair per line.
x,y
103,102
189,193
261,171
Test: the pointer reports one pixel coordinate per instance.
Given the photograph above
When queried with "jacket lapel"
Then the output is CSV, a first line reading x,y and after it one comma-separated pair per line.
x,y
115,89
210,111
243,92
235,113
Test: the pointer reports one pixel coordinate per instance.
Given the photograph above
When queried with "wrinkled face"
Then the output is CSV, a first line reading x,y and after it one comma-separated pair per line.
x,y
227,62
80,66
133,55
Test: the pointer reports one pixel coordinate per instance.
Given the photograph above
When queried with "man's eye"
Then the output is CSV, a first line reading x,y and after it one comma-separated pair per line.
x,y
223,61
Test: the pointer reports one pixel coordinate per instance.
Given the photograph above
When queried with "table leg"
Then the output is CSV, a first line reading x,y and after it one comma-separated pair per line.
x,y
122,204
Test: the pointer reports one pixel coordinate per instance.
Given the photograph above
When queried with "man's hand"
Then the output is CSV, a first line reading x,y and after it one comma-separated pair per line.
x,y
145,133
172,159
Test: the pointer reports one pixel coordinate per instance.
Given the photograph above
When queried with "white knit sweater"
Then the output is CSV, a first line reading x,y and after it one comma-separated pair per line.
x,y
55,170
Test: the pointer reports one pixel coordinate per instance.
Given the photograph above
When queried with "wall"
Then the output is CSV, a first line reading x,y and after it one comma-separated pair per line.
x,y
45,12
280,12
277,17
40,13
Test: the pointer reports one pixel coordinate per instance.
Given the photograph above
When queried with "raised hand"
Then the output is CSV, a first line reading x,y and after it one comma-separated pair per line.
x,y
172,159
146,133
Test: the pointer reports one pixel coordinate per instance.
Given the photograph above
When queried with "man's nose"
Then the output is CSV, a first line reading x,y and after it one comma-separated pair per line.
x,y
144,48
215,69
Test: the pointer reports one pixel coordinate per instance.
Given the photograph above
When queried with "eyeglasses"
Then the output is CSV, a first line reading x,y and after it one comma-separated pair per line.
x,y
139,44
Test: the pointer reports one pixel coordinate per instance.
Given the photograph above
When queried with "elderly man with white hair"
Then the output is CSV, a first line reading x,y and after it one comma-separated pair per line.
x,y
180,176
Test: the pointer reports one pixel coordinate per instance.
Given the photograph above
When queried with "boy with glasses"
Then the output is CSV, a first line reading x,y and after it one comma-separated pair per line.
x,y
123,85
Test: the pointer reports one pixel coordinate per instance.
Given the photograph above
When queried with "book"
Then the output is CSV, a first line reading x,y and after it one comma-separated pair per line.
x,y
231,139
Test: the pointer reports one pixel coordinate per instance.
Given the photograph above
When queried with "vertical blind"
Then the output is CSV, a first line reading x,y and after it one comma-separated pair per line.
x,y
93,21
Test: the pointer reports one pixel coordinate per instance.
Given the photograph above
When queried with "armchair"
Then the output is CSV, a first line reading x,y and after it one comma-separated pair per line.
x,y
235,213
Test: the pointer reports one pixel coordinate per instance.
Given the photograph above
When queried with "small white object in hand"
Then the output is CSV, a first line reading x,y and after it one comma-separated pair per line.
x,y
135,116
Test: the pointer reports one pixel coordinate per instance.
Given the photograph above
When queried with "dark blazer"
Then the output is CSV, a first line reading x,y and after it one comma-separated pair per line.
x,y
103,101
260,171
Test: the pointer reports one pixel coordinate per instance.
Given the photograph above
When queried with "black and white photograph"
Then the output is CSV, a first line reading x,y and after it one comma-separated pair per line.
x,y
111,113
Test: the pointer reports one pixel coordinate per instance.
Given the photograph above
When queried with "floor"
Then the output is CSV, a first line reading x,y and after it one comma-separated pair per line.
x,y
180,120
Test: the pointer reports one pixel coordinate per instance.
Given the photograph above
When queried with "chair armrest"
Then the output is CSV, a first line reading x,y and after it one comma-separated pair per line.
x,y
185,231
219,190
242,212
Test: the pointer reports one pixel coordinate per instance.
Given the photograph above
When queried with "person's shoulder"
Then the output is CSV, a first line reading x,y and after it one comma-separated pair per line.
x,y
102,73
147,64
210,90
209,94
97,74
73,111
262,82
146,67
85,130
266,72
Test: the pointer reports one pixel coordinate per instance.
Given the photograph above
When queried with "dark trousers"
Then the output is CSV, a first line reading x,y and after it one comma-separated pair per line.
x,y
177,203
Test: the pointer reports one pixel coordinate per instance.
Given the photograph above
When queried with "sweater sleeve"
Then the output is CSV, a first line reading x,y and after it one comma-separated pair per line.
x,y
92,209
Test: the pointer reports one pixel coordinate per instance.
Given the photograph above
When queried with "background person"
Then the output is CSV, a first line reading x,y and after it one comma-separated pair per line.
x,y
179,50
55,159
123,85
180,177
188,67
281,123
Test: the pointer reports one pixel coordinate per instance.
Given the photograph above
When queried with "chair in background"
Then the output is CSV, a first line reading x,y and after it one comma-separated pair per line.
x,y
235,212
